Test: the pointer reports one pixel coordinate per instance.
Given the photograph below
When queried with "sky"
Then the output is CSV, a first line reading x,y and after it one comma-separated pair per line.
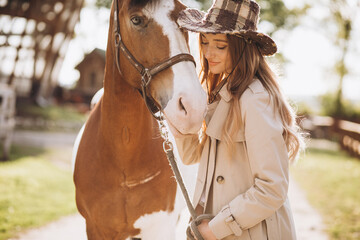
x,y
310,53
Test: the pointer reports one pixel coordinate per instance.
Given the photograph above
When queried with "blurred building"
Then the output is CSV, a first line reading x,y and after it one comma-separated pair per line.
x,y
34,38
91,70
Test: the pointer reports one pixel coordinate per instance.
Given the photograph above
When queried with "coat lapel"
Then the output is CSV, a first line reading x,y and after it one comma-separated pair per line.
x,y
202,173
211,168
216,124
217,121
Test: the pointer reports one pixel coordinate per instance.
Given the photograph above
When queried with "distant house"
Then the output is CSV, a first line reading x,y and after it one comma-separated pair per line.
x,y
91,70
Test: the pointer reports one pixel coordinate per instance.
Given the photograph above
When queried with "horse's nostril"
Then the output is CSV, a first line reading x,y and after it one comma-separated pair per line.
x,y
182,107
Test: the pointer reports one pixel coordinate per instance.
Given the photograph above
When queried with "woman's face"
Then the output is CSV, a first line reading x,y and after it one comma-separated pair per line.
x,y
215,49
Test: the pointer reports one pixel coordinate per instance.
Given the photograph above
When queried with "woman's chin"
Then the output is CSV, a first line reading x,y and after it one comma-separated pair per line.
x,y
215,70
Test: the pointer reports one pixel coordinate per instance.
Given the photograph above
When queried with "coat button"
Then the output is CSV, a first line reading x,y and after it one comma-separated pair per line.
x,y
220,179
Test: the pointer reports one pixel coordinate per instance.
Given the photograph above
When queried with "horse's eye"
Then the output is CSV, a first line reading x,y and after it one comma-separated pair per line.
x,y
137,20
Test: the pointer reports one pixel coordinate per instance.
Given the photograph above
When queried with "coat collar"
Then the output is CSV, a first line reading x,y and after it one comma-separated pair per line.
x,y
224,93
217,122
255,87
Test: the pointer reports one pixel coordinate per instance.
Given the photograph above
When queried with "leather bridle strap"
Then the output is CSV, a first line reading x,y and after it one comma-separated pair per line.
x,y
146,73
166,64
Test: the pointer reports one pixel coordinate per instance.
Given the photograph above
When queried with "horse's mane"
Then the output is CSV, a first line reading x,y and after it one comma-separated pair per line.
x,y
141,3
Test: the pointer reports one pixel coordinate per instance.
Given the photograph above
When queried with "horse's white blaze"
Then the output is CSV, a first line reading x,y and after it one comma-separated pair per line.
x,y
186,85
162,225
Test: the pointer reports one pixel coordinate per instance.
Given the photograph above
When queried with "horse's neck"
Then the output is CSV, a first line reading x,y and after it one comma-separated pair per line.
x,y
124,114
128,130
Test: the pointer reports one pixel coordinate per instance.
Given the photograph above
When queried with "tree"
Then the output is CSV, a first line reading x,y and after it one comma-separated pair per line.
x,y
342,14
279,16
343,17
103,3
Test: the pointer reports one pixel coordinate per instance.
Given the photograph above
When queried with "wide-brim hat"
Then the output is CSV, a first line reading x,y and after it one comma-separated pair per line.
x,y
237,17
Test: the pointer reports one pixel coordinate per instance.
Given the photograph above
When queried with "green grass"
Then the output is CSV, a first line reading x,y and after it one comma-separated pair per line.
x,y
331,180
50,113
50,118
33,191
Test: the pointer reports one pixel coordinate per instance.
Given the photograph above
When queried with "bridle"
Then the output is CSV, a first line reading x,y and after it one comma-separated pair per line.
x,y
146,73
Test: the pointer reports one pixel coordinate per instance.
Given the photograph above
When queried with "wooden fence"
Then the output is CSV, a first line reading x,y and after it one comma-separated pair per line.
x,y
7,120
345,132
349,134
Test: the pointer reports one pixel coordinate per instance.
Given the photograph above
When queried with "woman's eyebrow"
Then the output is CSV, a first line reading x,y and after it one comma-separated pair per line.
x,y
216,39
220,40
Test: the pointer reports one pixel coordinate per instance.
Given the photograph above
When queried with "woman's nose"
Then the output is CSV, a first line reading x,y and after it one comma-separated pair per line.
x,y
209,53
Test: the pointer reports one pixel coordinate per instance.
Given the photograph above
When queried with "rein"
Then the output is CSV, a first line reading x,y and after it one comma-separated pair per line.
x,y
196,220
146,73
146,77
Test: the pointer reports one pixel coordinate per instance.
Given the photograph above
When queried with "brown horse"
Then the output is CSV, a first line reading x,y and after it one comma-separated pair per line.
x,y
124,185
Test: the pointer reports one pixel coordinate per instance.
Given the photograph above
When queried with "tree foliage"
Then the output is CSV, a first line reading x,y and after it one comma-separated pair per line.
x,y
279,16
342,14
329,107
103,3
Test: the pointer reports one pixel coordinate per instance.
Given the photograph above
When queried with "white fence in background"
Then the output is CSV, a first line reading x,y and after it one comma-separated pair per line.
x,y
7,118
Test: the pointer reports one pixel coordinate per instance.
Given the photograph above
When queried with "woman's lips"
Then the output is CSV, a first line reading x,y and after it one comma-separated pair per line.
x,y
213,63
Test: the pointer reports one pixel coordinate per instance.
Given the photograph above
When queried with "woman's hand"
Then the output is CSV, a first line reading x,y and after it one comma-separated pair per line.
x,y
206,231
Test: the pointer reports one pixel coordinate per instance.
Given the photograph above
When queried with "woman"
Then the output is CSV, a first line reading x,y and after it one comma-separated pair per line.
x,y
249,135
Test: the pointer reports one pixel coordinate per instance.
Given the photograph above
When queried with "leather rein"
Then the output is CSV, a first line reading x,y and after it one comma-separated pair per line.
x,y
146,73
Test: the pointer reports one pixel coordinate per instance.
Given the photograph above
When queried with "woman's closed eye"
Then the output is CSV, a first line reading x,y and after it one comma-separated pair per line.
x,y
221,47
204,43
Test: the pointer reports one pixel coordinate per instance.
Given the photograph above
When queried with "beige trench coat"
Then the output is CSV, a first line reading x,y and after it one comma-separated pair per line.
x,y
246,191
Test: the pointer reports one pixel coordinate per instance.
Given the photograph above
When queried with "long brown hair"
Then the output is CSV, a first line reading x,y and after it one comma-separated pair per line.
x,y
249,65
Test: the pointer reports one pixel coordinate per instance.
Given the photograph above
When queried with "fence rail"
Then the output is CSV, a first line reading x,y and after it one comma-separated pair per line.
x,y
7,121
349,133
345,132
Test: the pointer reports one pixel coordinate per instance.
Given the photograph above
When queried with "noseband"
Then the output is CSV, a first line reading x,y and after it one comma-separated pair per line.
x,y
146,73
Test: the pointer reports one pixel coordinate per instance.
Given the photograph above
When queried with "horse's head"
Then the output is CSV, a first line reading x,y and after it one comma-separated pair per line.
x,y
149,31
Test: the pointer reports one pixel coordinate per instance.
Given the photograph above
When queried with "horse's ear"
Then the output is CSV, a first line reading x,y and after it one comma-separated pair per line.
x,y
179,6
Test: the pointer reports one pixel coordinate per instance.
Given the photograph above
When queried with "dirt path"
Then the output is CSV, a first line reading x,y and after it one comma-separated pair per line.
x,y
67,228
308,222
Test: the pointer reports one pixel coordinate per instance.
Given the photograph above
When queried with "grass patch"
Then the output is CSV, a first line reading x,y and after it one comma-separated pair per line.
x,y
33,191
331,180
51,118
68,113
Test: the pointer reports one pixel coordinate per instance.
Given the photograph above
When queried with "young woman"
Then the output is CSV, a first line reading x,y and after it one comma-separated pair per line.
x,y
249,135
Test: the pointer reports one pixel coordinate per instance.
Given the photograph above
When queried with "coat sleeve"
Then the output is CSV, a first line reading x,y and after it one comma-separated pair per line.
x,y
187,147
268,159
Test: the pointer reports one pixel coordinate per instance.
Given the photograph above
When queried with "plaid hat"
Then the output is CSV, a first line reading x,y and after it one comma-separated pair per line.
x,y
237,17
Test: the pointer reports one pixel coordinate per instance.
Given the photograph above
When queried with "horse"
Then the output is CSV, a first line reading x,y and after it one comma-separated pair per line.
x,y
124,186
